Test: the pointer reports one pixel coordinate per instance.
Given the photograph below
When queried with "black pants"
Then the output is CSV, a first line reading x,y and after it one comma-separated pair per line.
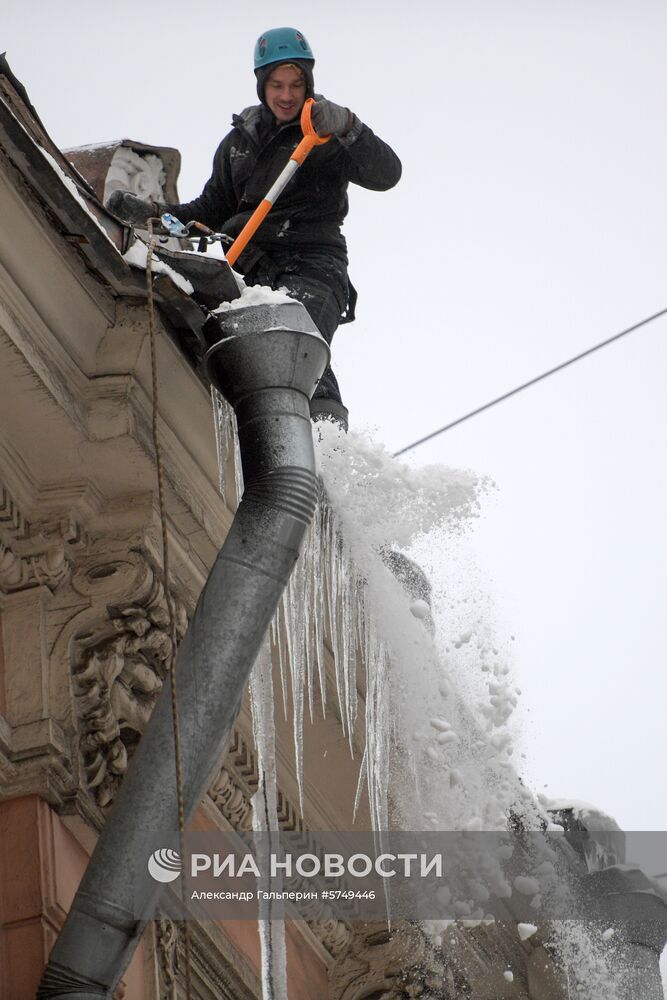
x,y
317,281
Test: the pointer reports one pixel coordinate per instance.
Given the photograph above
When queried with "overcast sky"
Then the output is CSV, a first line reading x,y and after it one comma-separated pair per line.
x,y
529,224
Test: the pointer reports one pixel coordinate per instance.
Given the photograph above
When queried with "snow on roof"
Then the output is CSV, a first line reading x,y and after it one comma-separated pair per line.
x,y
137,255
74,190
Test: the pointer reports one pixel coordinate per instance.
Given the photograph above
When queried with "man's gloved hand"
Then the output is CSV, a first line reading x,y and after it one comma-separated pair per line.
x,y
130,208
330,119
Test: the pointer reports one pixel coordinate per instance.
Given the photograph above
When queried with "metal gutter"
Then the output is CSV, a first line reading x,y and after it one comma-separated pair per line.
x,y
267,365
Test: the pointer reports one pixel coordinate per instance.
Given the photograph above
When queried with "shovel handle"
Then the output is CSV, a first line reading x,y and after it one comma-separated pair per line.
x,y
307,126
310,136
309,141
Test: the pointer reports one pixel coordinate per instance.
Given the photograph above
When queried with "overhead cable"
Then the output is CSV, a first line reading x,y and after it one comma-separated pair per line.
x,y
533,381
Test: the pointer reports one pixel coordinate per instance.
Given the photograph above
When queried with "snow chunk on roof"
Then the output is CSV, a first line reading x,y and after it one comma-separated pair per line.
x,y
138,255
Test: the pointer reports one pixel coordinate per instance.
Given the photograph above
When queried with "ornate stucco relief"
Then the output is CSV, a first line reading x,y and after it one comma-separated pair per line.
x,y
33,554
396,965
118,670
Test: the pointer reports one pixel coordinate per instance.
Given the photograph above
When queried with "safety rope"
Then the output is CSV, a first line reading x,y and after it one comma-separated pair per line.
x,y
169,599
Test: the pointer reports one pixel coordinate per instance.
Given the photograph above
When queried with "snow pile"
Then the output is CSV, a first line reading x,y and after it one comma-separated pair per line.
x,y
255,295
142,174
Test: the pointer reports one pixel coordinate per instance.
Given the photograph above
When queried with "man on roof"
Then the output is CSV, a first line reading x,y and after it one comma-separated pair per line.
x,y
300,246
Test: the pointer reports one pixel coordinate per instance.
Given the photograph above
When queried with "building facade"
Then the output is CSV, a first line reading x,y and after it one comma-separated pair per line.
x,y
85,642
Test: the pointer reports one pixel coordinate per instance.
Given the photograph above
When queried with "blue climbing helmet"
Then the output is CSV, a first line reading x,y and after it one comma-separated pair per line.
x,y
280,45
283,45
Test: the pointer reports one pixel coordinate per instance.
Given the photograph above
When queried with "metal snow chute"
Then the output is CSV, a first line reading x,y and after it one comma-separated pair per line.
x,y
266,360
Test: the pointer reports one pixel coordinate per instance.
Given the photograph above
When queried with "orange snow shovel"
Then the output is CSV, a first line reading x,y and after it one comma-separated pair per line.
x,y
310,139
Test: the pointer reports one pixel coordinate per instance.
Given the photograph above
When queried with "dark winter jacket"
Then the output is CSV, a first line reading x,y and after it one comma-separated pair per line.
x,y
311,209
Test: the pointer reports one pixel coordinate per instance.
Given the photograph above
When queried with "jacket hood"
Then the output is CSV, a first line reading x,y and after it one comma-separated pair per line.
x,y
264,71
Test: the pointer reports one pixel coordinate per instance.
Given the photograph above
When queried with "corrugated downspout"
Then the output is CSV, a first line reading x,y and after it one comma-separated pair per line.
x,y
267,367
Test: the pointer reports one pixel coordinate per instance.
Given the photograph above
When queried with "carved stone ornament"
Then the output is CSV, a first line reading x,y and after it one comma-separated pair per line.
x,y
118,673
238,781
396,965
33,554
166,941
231,800
216,967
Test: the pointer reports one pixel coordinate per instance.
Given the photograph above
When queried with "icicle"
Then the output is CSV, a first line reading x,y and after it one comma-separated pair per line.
x,y
226,441
334,545
306,570
292,603
319,585
238,468
261,695
265,821
278,639
350,585
373,757
360,783
325,589
377,755
362,618
344,600
344,646
222,423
